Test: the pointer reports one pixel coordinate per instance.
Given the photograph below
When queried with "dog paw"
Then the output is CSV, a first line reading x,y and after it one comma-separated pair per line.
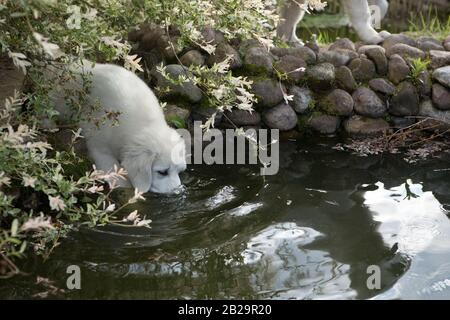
x,y
384,34
293,41
296,44
373,39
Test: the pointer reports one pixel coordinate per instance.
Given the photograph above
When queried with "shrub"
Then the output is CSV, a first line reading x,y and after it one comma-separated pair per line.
x,y
42,197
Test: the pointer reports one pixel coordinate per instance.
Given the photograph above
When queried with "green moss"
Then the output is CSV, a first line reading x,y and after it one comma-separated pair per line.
x,y
312,105
397,89
243,72
176,122
365,119
278,43
251,70
317,114
280,75
177,100
327,107
303,124
303,82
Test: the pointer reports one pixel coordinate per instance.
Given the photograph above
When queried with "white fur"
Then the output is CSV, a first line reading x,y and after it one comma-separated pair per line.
x,y
142,142
358,12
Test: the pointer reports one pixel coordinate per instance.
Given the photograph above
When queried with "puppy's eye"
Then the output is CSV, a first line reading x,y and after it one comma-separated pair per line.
x,y
164,172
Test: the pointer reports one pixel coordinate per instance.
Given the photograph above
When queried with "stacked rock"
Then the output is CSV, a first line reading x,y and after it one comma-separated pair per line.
x,y
344,87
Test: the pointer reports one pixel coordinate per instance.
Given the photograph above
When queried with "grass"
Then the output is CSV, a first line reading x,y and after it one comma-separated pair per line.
x,y
328,26
429,24
324,37
417,67
325,30
324,21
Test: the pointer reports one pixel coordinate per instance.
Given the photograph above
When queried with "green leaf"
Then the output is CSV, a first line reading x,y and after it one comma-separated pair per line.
x,y
14,227
177,122
23,247
13,240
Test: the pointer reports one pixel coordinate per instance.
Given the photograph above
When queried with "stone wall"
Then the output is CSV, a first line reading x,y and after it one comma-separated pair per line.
x,y
346,88
11,79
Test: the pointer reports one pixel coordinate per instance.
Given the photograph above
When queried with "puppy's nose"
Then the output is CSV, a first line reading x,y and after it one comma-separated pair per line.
x,y
177,182
175,186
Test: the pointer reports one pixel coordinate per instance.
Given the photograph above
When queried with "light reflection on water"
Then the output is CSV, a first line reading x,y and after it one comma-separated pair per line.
x,y
288,270
309,232
416,223
408,216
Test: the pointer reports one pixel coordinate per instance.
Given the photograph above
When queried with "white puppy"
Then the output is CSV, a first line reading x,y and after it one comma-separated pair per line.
x,y
358,12
142,143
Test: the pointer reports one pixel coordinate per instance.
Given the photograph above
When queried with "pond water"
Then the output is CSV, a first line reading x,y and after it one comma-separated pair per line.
x,y
309,232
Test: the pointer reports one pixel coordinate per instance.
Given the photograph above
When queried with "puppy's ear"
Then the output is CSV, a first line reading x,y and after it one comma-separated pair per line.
x,y
139,168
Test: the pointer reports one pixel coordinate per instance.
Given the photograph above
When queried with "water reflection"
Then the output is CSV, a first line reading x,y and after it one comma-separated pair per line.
x,y
309,232
414,221
224,195
285,269
408,217
244,209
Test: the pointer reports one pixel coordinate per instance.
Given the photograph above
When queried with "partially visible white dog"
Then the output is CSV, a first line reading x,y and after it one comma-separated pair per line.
x,y
142,143
358,11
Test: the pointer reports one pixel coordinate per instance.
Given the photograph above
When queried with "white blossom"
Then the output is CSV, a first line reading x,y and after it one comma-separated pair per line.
x,y
56,203
317,5
132,63
90,14
209,48
51,49
220,92
143,223
20,61
76,135
95,189
74,21
29,181
37,223
223,66
132,216
110,208
137,196
209,123
4,180
116,174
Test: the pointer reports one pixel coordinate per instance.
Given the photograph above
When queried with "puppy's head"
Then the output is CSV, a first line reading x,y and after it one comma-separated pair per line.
x,y
154,160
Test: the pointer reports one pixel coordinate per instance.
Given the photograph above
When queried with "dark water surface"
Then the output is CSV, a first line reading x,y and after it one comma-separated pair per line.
x,y
309,232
